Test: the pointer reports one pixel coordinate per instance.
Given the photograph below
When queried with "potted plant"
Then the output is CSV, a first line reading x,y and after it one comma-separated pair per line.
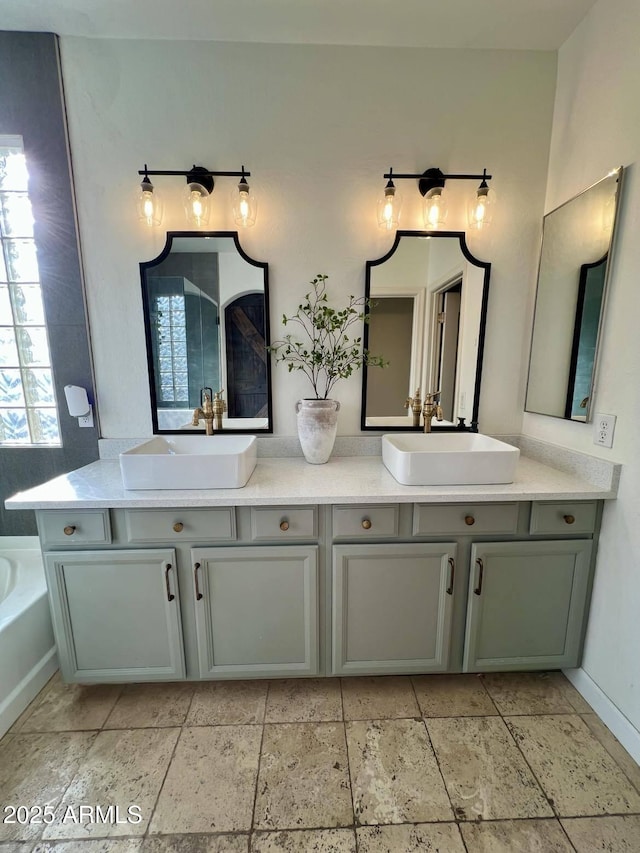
x,y
326,353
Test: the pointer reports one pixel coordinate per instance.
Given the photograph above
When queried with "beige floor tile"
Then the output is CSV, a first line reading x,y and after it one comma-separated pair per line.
x,y
515,836
102,845
394,773
453,696
35,770
15,847
304,700
71,707
579,703
577,773
151,706
122,769
228,703
604,834
210,786
614,748
486,776
420,838
378,698
304,778
305,841
529,692
196,844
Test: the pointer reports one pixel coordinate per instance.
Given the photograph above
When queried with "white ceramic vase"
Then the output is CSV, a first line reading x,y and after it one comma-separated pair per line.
x,y
317,428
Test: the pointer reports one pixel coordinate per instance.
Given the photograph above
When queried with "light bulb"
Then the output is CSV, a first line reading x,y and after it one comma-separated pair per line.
x,y
480,207
389,207
434,209
244,204
197,204
149,203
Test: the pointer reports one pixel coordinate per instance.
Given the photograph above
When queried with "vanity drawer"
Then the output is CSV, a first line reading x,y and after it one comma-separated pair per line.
x,y
464,519
284,522
146,526
365,521
563,517
74,527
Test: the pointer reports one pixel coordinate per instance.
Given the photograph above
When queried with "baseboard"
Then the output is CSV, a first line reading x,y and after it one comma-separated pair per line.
x,y
610,715
27,690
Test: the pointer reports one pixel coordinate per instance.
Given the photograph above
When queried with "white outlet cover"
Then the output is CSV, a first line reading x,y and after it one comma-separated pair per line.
x,y
603,429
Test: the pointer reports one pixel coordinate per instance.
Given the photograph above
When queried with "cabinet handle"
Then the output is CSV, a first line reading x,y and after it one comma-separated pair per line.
x,y
69,530
167,569
480,564
284,524
452,566
178,527
195,578
469,520
366,523
570,519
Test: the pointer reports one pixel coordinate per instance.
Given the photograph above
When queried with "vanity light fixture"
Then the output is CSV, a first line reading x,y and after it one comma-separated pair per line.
x,y
431,186
389,205
200,183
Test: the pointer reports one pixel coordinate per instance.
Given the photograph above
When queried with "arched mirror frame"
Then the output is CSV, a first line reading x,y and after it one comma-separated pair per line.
x,y
486,266
147,265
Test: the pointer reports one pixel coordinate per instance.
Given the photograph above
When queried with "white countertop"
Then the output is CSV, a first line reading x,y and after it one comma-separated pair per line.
x,y
286,480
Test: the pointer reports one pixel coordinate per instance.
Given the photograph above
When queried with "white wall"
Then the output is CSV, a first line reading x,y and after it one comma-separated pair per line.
x,y
596,128
317,126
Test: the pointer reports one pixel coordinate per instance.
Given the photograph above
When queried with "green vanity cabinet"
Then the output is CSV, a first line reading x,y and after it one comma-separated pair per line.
x,y
116,614
526,604
392,607
256,610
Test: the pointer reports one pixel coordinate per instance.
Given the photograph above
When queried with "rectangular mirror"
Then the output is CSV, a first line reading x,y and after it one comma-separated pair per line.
x,y
575,259
427,320
206,313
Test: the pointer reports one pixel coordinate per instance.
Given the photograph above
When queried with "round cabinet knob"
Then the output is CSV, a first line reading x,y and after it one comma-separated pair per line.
x,y
469,520
570,519
284,524
178,527
69,530
366,523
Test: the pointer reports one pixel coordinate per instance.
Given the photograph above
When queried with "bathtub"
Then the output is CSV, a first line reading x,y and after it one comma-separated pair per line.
x,y
27,650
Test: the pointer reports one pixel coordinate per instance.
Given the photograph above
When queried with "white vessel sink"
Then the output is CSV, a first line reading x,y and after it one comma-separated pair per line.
x,y
190,462
448,459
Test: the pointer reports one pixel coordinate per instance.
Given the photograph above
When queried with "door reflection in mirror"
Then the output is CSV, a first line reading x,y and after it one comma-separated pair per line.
x,y
427,319
206,324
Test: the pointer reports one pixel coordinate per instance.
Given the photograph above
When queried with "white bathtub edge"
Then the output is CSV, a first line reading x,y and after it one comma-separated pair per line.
x,y
27,690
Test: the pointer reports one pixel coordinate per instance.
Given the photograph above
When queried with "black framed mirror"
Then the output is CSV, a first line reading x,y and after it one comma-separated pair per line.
x,y
206,317
427,318
575,258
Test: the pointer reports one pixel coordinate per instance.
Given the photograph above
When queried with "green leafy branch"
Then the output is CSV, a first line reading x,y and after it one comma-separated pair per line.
x,y
328,353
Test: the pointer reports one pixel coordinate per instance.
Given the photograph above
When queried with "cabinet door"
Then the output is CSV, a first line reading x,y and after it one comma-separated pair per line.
x,y
527,603
256,610
392,607
116,615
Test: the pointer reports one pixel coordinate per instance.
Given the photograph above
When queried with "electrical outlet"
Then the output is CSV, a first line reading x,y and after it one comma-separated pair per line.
x,y
86,420
603,428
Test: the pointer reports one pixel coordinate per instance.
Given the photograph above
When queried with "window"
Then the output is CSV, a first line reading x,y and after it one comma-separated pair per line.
x,y
28,412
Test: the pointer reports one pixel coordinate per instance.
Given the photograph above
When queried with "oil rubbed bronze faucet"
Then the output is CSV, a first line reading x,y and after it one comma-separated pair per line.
x,y
431,409
415,404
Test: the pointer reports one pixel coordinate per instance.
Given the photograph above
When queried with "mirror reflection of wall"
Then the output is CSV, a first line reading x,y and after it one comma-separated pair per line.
x,y
572,276
427,319
206,321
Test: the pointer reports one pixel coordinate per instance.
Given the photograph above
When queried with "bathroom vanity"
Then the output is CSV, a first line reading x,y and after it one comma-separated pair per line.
x,y
316,570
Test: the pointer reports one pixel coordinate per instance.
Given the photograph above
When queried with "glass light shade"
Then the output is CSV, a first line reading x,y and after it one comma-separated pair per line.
x,y
434,209
480,208
149,204
244,205
196,204
389,206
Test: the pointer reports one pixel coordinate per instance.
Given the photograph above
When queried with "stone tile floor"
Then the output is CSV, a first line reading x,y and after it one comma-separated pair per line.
x,y
501,763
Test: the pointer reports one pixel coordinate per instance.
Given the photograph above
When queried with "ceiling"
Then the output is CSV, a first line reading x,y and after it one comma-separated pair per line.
x,y
501,24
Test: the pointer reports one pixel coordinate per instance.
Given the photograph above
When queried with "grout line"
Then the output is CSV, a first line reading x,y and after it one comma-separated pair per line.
x,y
346,744
145,834
524,758
252,828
